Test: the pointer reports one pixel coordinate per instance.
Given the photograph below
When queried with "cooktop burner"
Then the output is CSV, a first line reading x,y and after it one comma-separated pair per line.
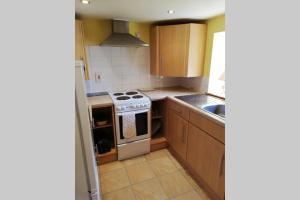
x,y
137,96
123,98
131,93
118,94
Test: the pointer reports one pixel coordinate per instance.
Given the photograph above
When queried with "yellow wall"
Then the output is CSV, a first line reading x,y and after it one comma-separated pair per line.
x,y
214,25
95,30
143,29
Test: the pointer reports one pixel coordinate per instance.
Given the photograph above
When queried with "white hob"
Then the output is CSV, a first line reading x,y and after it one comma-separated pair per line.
x,y
130,101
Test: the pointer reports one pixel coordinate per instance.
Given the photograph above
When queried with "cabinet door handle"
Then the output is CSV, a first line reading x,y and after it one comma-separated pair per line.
x,y
222,165
183,134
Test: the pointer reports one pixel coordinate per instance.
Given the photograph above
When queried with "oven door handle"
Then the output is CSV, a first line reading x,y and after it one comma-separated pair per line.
x,y
132,112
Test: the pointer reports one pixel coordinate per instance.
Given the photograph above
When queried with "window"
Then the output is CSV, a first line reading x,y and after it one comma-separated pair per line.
x,y
216,83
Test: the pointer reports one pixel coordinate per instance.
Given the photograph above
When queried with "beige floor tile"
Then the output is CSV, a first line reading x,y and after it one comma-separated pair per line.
x,y
114,180
133,161
110,166
167,152
202,194
188,177
176,163
123,194
193,183
174,184
162,166
192,195
149,190
139,172
156,155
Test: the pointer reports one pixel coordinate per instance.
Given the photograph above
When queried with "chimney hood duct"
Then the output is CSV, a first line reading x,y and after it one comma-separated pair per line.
x,y
120,36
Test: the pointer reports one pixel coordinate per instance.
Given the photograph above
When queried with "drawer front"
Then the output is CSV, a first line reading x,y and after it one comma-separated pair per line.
x,y
179,109
212,128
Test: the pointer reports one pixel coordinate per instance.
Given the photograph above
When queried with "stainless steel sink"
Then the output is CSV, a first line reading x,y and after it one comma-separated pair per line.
x,y
209,104
217,109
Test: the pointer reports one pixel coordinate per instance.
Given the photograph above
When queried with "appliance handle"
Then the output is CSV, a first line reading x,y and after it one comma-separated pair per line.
x,y
133,112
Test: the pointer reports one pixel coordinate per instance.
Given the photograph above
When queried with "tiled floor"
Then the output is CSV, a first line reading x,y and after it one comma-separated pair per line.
x,y
156,176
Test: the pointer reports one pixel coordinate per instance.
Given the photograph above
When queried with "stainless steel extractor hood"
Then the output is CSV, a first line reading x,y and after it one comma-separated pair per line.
x,y
120,36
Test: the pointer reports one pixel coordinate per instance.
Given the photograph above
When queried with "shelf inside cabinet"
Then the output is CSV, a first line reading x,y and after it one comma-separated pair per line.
x,y
112,151
107,157
103,126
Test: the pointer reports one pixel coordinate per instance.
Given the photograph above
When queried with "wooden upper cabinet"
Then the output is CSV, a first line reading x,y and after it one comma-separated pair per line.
x,y
177,50
207,157
154,56
80,53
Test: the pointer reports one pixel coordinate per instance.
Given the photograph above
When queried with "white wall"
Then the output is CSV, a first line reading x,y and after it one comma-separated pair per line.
x,y
122,68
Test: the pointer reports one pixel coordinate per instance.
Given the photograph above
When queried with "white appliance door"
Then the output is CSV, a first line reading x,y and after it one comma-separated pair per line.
x,y
85,134
119,126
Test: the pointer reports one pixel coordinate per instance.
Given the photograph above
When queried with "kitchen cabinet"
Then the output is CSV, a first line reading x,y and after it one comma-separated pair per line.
x,y
177,50
178,133
158,125
80,53
206,156
103,131
199,144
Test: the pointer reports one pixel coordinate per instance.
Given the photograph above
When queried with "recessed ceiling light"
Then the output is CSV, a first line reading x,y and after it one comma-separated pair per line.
x,y
85,1
171,11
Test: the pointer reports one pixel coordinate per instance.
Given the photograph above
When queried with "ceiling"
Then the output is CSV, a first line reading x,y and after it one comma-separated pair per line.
x,y
151,10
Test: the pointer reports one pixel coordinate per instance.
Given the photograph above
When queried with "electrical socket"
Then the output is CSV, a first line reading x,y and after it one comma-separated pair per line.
x,y
97,77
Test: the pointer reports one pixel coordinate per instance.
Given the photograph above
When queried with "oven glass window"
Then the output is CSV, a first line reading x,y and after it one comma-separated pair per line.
x,y
141,123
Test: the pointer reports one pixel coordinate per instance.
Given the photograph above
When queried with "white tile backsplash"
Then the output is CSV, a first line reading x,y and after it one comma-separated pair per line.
x,y
122,68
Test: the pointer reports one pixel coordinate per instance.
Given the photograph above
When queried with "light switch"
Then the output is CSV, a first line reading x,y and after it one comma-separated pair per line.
x,y
97,76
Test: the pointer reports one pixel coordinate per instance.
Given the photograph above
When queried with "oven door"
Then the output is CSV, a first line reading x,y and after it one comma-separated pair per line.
x,y
142,126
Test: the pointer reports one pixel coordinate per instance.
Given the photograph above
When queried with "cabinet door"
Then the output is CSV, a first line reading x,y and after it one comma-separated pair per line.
x,y
172,128
181,139
207,157
154,50
79,47
177,133
173,50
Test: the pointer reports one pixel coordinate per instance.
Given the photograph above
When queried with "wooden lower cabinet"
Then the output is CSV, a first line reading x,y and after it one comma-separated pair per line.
x,y
177,133
206,156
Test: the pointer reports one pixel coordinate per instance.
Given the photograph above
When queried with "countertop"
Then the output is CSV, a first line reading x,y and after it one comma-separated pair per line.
x,y
99,101
158,94
162,93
